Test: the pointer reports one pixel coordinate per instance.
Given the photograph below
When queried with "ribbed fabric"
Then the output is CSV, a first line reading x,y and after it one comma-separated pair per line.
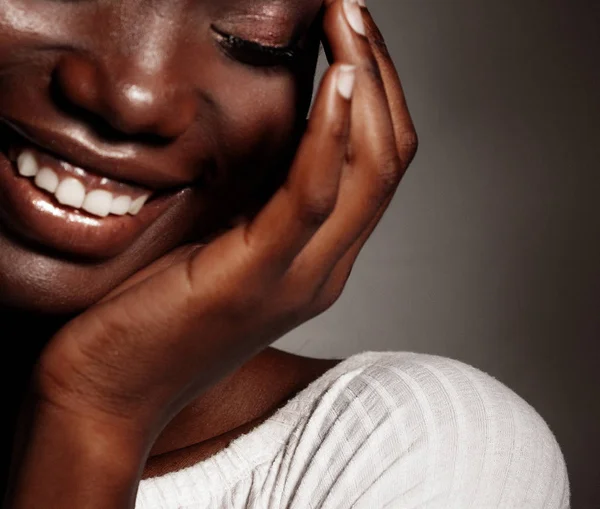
x,y
382,430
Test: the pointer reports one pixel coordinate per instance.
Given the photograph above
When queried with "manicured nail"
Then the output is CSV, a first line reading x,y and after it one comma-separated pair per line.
x,y
354,16
345,80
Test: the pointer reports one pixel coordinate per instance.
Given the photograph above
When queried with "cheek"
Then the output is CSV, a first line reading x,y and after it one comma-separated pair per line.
x,y
24,24
259,112
263,117
257,119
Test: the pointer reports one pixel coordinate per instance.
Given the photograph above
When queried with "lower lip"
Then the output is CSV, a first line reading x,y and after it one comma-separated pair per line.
x,y
37,217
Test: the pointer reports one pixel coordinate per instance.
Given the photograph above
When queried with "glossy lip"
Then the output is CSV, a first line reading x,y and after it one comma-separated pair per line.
x,y
37,217
121,164
64,170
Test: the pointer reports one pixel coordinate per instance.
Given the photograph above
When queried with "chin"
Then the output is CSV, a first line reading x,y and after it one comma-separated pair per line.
x,y
40,280
41,284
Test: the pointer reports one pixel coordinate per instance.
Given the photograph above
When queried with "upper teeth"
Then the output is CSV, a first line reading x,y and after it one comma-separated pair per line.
x,y
71,192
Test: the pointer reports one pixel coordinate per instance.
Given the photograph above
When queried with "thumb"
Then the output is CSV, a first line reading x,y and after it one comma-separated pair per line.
x,y
174,257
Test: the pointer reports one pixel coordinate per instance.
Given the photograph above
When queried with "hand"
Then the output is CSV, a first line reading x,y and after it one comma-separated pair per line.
x,y
132,362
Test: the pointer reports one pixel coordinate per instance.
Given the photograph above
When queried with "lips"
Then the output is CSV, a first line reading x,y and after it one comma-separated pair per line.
x,y
74,187
73,210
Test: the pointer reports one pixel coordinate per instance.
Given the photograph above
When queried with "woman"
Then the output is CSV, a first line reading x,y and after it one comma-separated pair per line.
x,y
166,213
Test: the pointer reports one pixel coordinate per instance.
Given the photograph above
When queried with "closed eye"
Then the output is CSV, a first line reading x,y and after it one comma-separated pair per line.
x,y
257,54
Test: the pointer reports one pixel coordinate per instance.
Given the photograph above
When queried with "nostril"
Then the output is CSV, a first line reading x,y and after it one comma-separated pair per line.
x,y
98,124
123,104
78,81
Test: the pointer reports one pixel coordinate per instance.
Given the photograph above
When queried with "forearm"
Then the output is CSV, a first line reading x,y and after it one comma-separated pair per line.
x,y
69,461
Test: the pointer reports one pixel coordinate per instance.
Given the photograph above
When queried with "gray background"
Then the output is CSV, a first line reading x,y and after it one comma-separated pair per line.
x,y
490,252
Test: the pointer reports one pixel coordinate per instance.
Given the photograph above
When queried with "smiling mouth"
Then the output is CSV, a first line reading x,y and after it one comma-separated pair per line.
x,y
77,188
58,205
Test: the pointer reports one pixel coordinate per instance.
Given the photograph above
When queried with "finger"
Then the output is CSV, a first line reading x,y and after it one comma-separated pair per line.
x,y
374,169
307,198
407,143
332,286
175,257
404,129
345,40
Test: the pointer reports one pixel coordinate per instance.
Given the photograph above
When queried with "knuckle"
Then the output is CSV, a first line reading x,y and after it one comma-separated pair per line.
x,y
374,73
330,292
295,301
308,297
299,306
328,298
315,208
389,174
352,155
339,130
409,145
379,44
247,296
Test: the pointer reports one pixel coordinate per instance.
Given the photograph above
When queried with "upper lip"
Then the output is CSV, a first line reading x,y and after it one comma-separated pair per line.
x,y
125,163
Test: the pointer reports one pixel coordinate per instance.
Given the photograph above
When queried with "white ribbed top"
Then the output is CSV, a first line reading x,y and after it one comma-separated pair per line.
x,y
382,429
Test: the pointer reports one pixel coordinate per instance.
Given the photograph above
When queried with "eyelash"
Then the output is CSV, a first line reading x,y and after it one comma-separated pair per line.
x,y
259,55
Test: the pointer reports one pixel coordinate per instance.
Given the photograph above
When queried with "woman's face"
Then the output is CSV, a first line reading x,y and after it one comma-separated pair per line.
x,y
107,103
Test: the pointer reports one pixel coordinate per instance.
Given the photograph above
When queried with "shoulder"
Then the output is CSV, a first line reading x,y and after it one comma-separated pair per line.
x,y
382,425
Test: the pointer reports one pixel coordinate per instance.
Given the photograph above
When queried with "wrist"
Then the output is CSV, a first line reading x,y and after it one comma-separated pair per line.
x,y
69,459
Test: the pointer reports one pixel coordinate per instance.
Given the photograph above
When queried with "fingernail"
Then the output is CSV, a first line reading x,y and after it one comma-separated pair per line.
x,y
354,16
362,3
345,80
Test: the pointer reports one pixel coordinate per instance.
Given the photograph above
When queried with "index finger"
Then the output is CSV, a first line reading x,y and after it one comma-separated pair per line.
x,y
403,125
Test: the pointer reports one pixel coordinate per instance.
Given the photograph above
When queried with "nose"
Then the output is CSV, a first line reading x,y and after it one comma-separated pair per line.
x,y
132,98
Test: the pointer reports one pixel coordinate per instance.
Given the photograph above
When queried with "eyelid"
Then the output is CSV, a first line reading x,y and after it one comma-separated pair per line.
x,y
283,49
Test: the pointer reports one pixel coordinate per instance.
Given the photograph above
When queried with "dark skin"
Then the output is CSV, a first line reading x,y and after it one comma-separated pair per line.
x,y
157,349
